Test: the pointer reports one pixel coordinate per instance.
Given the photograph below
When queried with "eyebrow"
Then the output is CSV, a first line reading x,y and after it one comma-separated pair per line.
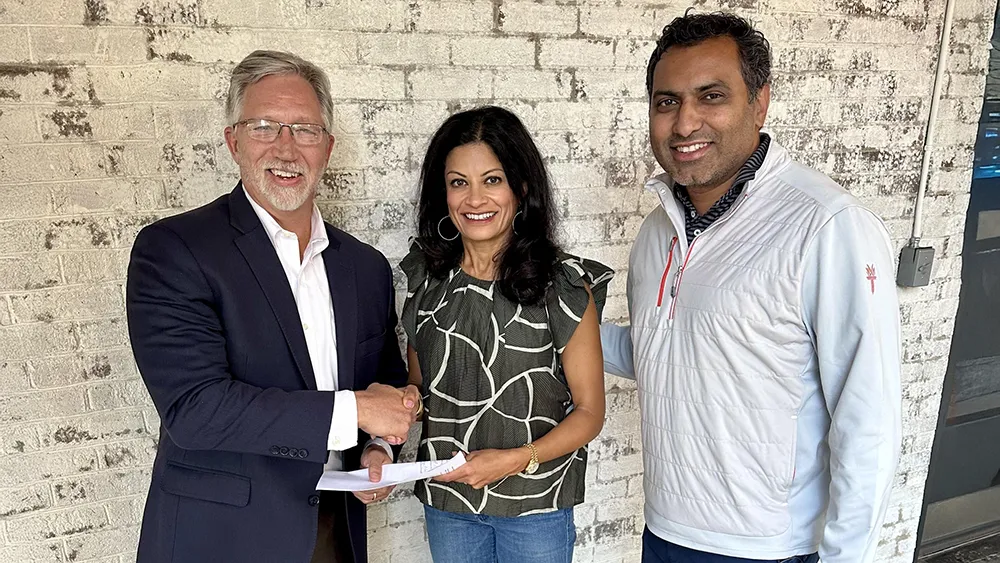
x,y
484,173
699,89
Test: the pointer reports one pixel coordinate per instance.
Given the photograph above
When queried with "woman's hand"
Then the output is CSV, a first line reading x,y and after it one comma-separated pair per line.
x,y
488,466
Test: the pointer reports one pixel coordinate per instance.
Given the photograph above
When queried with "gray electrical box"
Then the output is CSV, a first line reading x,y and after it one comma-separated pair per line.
x,y
915,266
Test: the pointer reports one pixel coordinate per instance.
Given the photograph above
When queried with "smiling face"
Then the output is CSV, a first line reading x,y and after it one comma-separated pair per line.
x,y
481,203
702,125
281,176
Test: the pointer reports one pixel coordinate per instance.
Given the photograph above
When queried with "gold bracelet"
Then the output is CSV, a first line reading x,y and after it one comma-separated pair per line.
x,y
533,462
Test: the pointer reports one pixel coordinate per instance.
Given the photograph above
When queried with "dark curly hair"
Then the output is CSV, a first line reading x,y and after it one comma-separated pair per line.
x,y
688,30
527,262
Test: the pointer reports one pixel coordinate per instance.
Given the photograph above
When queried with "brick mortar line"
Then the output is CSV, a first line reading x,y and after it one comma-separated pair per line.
x,y
85,385
101,213
10,309
57,217
101,502
174,175
31,358
105,105
71,418
576,34
79,535
60,253
54,509
61,322
95,215
94,284
492,34
205,65
77,449
78,353
16,293
58,143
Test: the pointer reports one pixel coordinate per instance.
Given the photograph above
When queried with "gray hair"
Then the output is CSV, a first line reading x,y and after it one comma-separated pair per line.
x,y
261,64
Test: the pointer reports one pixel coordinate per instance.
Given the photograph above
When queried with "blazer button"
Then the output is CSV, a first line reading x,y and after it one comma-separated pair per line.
x,y
275,450
313,500
293,452
284,450
303,453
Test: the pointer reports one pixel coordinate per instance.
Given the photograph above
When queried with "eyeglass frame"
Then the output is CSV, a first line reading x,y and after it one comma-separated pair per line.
x,y
291,129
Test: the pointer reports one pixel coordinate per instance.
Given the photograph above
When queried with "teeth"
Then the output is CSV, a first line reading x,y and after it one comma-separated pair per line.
x,y
692,148
283,173
480,216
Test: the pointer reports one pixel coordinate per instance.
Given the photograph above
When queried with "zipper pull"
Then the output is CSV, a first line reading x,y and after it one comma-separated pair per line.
x,y
677,277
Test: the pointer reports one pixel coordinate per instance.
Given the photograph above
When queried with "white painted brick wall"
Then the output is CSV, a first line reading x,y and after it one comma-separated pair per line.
x,y
110,117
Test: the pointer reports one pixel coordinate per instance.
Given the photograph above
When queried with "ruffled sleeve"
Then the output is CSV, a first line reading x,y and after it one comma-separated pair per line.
x,y
567,298
414,265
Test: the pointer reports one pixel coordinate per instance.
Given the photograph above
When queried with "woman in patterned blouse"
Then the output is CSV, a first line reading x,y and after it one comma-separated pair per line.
x,y
504,343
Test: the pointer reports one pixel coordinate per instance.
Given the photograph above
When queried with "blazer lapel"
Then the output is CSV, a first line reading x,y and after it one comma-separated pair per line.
x,y
259,253
344,294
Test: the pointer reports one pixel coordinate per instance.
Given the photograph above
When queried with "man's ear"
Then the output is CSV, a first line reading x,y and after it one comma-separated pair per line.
x,y
761,104
329,148
231,142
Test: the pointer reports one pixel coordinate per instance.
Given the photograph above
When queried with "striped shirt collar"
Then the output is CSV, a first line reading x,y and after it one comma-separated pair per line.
x,y
695,224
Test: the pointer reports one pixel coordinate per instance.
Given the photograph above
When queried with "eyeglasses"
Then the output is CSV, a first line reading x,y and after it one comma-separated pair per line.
x,y
267,131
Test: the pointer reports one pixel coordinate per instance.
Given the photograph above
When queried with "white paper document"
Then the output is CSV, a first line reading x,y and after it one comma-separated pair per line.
x,y
392,474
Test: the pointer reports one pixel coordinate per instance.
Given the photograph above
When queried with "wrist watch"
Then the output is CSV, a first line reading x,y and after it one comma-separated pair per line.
x,y
533,462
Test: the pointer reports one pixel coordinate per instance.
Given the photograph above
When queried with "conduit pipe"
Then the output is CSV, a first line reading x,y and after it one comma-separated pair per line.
x,y
942,63
915,261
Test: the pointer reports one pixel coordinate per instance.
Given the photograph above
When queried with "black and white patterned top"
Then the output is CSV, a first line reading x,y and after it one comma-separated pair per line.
x,y
695,224
492,378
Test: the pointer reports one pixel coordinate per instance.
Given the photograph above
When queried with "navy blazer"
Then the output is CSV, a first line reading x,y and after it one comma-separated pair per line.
x,y
218,341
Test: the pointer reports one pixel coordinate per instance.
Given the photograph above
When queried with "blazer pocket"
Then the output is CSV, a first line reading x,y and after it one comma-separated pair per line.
x,y
206,484
371,345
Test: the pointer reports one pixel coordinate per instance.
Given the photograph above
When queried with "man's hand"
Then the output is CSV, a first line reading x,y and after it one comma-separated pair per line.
x,y
374,458
412,401
488,466
387,412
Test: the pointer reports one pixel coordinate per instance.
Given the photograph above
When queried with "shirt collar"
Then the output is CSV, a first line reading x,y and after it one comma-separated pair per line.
x,y
274,230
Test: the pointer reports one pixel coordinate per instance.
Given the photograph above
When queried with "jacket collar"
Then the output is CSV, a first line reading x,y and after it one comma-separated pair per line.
x,y
663,185
245,220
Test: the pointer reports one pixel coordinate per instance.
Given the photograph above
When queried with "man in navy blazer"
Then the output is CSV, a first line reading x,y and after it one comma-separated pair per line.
x,y
266,339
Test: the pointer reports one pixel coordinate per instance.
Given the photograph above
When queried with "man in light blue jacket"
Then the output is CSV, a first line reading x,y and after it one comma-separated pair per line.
x,y
764,331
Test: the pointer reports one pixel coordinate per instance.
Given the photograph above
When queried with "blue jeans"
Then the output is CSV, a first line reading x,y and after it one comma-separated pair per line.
x,y
472,538
658,550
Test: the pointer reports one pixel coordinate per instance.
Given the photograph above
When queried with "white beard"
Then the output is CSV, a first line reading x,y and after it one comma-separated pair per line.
x,y
280,198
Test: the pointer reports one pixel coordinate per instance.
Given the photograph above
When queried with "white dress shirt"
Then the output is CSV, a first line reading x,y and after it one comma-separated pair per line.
x,y
311,290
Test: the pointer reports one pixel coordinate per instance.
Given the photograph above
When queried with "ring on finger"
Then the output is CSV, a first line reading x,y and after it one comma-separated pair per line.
x,y
374,497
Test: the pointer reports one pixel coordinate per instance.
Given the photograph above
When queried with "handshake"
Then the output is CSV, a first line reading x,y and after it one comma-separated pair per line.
x,y
387,412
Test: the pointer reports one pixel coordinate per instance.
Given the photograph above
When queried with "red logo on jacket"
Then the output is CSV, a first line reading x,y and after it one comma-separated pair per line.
x,y
870,270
